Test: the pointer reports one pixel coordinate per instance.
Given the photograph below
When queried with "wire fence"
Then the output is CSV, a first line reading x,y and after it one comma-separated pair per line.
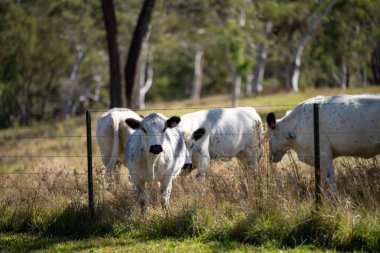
x,y
9,159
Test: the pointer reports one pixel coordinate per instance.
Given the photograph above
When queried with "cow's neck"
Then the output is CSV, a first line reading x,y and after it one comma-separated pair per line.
x,y
154,162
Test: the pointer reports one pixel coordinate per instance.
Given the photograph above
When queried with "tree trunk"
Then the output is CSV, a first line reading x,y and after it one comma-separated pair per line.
x,y
344,78
69,98
46,93
198,73
26,109
259,69
145,86
295,64
260,62
375,65
236,90
248,86
115,87
139,35
364,77
145,78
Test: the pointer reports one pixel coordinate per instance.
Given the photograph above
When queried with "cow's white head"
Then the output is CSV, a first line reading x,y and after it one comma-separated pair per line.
x,y
153,129
191,140
278,137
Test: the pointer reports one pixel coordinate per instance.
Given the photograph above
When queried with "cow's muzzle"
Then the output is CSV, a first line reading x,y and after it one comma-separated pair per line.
x,y
186,169
155,149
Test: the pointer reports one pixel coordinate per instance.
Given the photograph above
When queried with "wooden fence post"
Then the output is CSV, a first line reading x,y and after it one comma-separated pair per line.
x,y
89,165
317,157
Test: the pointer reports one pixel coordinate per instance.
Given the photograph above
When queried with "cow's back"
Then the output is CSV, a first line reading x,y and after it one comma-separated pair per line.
x,y
230,130
104,136
112,123
351,124
237,130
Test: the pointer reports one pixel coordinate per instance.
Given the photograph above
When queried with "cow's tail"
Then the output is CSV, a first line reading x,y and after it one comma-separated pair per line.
x,y
115,147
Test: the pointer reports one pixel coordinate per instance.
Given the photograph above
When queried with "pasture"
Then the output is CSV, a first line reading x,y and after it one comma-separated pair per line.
x,y
43,201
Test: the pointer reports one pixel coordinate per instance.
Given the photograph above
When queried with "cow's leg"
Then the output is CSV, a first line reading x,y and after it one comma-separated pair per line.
x,y
140,187
327,169
165,190
117,171
202,164
106,155
250,157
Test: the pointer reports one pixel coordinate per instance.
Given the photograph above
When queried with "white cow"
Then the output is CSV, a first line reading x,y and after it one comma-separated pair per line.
x,y
111,135
349,125
155,152
222,133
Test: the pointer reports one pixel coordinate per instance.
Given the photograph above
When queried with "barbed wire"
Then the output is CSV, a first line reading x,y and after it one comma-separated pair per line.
x,y
361,133
309,102
231,107
219,157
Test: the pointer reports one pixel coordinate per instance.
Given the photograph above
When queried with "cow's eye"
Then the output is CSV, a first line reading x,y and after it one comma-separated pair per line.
x,y
143,129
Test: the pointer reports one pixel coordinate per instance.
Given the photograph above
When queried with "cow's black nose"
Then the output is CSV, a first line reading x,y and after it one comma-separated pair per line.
x,y
187,166
155,149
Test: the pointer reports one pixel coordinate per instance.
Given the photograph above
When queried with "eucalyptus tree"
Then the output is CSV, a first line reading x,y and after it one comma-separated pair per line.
x,y
116,81
139,35
312,19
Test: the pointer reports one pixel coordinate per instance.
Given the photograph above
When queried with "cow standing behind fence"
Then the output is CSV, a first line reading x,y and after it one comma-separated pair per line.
x,y
155,152
229,132
349,125
112,134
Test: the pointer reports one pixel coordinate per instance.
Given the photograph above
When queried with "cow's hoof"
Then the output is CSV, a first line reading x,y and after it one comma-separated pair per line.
x,y
201,178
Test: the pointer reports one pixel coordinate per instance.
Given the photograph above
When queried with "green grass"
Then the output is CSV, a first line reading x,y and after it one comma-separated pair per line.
x,y
124,243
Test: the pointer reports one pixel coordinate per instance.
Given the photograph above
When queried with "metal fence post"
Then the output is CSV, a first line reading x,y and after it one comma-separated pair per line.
x,y
317,157
89,164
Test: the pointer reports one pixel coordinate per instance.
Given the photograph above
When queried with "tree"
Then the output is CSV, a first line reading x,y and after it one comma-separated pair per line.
x,y
296,58
139,34
115,88
145,77
261,57
198,73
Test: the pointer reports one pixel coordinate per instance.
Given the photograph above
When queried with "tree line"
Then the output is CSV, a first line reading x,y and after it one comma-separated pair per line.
x,y
59,57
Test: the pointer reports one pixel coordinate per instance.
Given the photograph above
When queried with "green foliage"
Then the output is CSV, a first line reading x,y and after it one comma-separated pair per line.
x,y
39,42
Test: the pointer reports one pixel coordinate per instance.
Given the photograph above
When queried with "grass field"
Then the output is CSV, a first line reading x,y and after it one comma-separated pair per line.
x,y
43,199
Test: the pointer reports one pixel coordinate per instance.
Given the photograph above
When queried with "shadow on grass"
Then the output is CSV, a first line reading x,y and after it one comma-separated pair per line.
x,y
76,222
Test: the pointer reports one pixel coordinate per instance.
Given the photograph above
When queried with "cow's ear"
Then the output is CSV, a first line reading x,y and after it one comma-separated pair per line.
x,y
173,121
271,120
198,133
133,123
